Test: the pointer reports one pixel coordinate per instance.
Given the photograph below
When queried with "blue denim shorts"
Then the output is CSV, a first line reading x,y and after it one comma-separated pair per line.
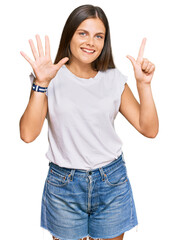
x,y
79,203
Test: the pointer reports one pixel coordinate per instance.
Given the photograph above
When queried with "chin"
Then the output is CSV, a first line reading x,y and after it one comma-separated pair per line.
x,y
88,61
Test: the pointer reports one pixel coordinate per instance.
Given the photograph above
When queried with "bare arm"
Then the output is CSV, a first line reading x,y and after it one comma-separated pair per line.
x,y
143,116
33,118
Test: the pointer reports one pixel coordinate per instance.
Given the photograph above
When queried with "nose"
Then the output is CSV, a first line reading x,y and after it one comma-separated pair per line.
x,y
90,41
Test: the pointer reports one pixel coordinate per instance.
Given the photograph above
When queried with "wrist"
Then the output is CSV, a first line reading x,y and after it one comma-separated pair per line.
x,y
143,85
37,88
41,83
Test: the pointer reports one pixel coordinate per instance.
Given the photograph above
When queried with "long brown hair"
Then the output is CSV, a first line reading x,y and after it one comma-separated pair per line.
x,y
78,15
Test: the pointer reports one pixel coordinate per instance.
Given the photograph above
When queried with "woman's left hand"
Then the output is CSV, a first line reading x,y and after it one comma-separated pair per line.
x,y
143,68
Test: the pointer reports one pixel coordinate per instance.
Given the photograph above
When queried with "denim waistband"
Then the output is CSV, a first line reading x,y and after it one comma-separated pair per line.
x,y
85,173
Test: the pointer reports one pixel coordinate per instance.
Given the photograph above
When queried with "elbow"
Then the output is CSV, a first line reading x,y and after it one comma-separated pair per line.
x,y
151,133
150,130
26,139
156,133
27,136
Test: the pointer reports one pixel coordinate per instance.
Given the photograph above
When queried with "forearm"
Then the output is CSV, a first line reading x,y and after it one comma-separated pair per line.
x,y
32,120
148,118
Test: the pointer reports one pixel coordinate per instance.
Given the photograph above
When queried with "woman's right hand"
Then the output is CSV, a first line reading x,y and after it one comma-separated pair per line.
x,y
43,67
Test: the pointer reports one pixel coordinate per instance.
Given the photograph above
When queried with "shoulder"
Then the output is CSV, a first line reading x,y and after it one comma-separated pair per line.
x,y
59,75
116,75
61,71
113,72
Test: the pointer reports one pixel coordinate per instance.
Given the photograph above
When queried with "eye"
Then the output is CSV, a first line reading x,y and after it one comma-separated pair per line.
x,y
99,36
82,33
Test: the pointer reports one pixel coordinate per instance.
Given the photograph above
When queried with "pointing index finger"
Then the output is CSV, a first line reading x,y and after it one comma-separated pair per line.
x,y
141,51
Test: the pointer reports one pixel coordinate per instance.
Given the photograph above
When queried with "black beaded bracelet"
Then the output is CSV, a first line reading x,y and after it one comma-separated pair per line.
x,y
39,89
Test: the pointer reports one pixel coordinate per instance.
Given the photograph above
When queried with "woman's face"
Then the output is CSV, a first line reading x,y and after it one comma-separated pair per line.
x,y
87,41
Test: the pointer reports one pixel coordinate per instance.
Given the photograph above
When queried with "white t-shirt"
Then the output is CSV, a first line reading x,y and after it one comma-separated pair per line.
x,y
81,115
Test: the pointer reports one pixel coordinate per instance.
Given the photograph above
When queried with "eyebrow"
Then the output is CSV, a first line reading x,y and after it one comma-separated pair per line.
x,y
87,31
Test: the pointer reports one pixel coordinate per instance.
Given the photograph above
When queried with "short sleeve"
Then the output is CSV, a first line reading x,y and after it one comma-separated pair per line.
x,y
32,76
122,80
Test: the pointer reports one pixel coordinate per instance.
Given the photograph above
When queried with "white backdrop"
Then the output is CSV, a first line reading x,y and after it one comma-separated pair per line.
x,y
151,163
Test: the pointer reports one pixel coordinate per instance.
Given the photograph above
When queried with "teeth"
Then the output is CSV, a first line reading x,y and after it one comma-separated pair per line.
x,y
89,51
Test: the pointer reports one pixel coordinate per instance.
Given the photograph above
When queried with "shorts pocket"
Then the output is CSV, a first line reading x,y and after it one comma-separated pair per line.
x,y
56,179
116,177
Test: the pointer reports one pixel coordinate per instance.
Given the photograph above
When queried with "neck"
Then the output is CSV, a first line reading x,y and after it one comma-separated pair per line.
x,y
81,70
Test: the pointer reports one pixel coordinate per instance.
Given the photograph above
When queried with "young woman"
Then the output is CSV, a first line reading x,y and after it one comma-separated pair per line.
x,y
87,190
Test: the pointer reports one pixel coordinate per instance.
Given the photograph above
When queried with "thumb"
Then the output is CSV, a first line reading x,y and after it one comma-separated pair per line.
x,y
62,62
132,60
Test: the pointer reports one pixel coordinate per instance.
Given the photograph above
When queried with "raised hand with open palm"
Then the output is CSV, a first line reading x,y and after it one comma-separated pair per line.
x,y
43,67
143,68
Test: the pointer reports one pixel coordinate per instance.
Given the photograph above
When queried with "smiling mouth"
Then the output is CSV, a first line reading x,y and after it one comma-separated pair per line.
x,y
87,51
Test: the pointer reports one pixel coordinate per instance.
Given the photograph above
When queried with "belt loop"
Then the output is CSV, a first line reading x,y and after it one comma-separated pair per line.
x,y
103,175
71,175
